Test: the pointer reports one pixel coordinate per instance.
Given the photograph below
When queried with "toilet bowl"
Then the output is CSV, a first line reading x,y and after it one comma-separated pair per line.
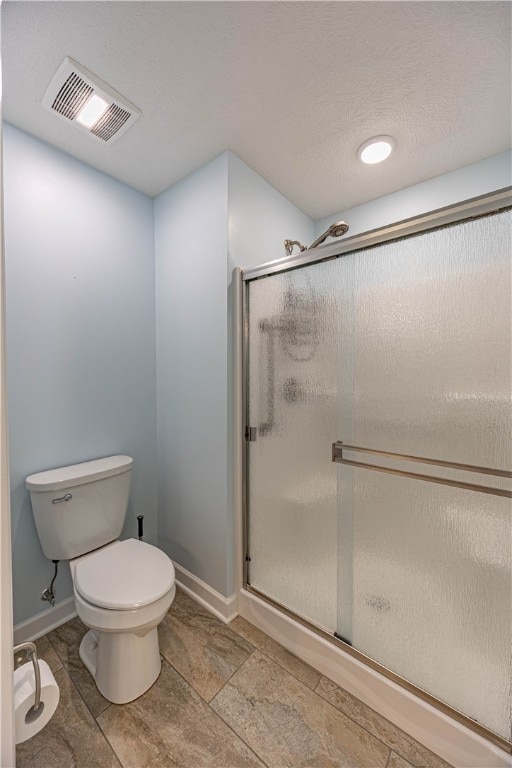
x,y
122,592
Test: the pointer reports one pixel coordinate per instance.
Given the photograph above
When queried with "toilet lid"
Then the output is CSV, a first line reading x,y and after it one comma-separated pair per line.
x,y
124,575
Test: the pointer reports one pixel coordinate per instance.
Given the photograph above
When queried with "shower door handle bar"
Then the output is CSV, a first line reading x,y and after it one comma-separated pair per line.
x,y
338,446
337,457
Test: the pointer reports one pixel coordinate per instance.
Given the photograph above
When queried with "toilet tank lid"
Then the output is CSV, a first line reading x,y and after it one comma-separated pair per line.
x,y
79,474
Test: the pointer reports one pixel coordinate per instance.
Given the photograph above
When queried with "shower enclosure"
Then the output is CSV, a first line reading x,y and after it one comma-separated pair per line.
x,y
377,389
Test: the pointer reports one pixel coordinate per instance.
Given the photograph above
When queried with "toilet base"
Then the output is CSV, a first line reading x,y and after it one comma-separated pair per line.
x,y
124,665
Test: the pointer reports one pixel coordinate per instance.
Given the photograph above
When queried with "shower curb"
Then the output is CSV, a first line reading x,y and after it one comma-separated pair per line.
x,y
452,741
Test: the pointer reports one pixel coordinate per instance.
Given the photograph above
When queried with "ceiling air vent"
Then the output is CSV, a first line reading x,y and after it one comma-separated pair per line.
x,y
79,97
110,123
72,96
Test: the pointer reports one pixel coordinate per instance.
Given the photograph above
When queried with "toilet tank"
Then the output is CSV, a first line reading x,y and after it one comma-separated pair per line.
x,y
81,507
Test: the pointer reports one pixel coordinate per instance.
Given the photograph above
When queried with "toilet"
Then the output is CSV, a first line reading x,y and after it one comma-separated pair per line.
x,y
122,589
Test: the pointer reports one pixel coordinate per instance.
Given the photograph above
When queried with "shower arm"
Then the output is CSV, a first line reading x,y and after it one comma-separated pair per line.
x,y
289,245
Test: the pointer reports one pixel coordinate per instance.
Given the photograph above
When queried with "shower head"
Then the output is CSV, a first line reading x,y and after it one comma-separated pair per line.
x,y
337,229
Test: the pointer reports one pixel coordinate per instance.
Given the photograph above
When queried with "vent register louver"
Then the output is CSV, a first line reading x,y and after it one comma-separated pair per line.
x,y
71,89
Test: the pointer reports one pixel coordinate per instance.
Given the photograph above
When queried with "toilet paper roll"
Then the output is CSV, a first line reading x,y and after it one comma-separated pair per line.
x,y
28,722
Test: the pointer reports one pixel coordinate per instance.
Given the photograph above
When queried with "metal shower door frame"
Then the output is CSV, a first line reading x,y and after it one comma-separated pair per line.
x,y
466,210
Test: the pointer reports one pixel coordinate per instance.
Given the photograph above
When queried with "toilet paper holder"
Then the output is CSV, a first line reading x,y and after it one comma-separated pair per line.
x,y
30,650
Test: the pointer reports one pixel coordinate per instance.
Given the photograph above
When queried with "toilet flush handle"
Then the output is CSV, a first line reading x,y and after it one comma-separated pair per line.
x,y
67,497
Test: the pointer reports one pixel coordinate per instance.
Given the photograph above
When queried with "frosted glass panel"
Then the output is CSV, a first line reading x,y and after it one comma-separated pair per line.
x,y
425,584
429,362
404,348
292,403
432,588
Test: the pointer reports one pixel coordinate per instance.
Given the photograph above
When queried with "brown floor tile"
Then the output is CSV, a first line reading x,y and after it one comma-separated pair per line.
x,y
266,696
72,739
170,725
270,648
399,741
395,761
66,642
45,651
287,724
205,651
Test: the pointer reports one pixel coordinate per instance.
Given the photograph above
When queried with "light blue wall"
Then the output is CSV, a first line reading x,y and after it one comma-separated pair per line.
x,y
260,219
80,337
473,180
81,342
190,252
219,217
84,254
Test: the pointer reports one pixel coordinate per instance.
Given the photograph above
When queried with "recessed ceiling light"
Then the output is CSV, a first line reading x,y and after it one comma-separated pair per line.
x,y
92,111
376,150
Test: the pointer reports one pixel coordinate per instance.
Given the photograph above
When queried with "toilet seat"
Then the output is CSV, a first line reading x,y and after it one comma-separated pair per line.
x,y
123,576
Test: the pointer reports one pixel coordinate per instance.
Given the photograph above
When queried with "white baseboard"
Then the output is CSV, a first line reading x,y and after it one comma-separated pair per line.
x,y
224,608
444,736
45,621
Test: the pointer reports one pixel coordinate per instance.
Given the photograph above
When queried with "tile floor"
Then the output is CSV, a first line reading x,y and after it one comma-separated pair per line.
x,y
227,697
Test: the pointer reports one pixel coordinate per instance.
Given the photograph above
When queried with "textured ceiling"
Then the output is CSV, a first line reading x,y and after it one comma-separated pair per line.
x,y
293,88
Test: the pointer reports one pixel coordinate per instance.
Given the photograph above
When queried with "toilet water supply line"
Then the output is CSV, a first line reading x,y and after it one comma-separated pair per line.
x,y
30,650
48,593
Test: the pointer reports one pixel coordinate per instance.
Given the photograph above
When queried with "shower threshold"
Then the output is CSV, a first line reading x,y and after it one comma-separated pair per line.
x,y
447,732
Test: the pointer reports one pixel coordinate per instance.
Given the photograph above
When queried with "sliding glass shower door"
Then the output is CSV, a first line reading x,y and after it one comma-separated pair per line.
x,y
400,356
293,412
